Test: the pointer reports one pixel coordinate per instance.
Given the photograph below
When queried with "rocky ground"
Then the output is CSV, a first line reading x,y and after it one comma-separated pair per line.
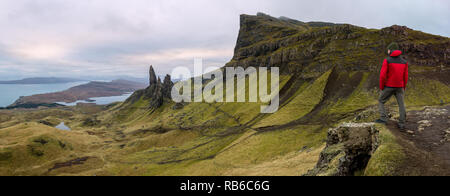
x,y
422,150
428,130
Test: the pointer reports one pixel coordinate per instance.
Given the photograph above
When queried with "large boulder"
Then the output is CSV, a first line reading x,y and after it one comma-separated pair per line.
x,y
349,148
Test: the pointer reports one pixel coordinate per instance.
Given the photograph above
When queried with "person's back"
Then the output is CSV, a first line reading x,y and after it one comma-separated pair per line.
x,y
393,81
394,72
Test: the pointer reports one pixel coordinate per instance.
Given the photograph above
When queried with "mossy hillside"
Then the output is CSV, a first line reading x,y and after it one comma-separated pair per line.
x,y
288,152
425,91
160,155
389,156
326,45
15,117
155,158
246,111
5,116
32,147
149,140
250,152
262,147
360,98
317,49
130,111
304,101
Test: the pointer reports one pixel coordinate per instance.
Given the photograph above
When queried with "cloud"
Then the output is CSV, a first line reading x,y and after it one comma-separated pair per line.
x,y
107,37
177,54
40,51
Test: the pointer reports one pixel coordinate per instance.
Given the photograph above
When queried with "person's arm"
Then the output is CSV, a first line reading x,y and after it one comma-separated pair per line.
x,y
383,74
405,79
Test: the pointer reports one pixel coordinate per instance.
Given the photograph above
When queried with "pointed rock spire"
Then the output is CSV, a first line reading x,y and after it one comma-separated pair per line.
x,y
167,86
152,76
159,80
159,90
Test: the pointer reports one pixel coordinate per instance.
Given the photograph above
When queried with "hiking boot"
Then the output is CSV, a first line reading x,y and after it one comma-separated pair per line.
x,y
379,121
401,127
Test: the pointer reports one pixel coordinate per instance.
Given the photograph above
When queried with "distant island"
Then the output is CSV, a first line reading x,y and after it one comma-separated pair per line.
x,y
42,80
81,92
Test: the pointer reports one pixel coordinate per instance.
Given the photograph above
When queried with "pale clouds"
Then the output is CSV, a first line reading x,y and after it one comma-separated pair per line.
x,y
117,37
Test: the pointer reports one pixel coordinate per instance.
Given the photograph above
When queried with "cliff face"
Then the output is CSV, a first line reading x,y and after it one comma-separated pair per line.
x,y
314,48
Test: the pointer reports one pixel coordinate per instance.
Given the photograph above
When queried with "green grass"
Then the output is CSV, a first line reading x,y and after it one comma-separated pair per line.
x,y
388,157
360,98
306,98
293,151
422,92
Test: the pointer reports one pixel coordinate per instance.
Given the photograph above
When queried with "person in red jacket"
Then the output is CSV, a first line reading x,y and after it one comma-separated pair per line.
x,y
393,81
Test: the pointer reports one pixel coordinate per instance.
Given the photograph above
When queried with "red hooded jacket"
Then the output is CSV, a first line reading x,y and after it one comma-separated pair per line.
x,y
394,72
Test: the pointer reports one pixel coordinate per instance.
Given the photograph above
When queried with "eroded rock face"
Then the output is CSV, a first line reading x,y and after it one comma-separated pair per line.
x,y
349,148
156,93
167,86
152,79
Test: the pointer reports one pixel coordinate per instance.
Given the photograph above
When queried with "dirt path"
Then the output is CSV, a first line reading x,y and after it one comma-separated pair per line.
x,y
426,142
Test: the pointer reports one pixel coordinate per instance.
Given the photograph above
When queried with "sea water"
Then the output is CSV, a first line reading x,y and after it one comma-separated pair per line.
x,y
11,92
100,100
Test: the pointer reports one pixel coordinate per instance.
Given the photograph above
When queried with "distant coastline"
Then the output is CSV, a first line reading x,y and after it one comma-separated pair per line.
x,y
42,80
79,93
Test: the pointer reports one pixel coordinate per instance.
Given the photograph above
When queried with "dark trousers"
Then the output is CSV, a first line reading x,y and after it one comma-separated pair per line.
x,y
386,94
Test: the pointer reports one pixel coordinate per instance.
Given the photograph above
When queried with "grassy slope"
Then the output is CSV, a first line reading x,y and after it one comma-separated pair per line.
x,y
389,156
210,147
215,141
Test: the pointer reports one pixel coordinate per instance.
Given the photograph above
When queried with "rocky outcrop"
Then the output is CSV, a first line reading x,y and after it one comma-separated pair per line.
x,y
396,30
167,86
157,93
348,150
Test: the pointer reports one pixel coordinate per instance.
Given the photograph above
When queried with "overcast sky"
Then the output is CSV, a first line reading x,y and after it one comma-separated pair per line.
x,y
79,38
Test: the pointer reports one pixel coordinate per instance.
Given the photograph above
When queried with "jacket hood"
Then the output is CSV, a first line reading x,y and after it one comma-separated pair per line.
x,y
396,53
